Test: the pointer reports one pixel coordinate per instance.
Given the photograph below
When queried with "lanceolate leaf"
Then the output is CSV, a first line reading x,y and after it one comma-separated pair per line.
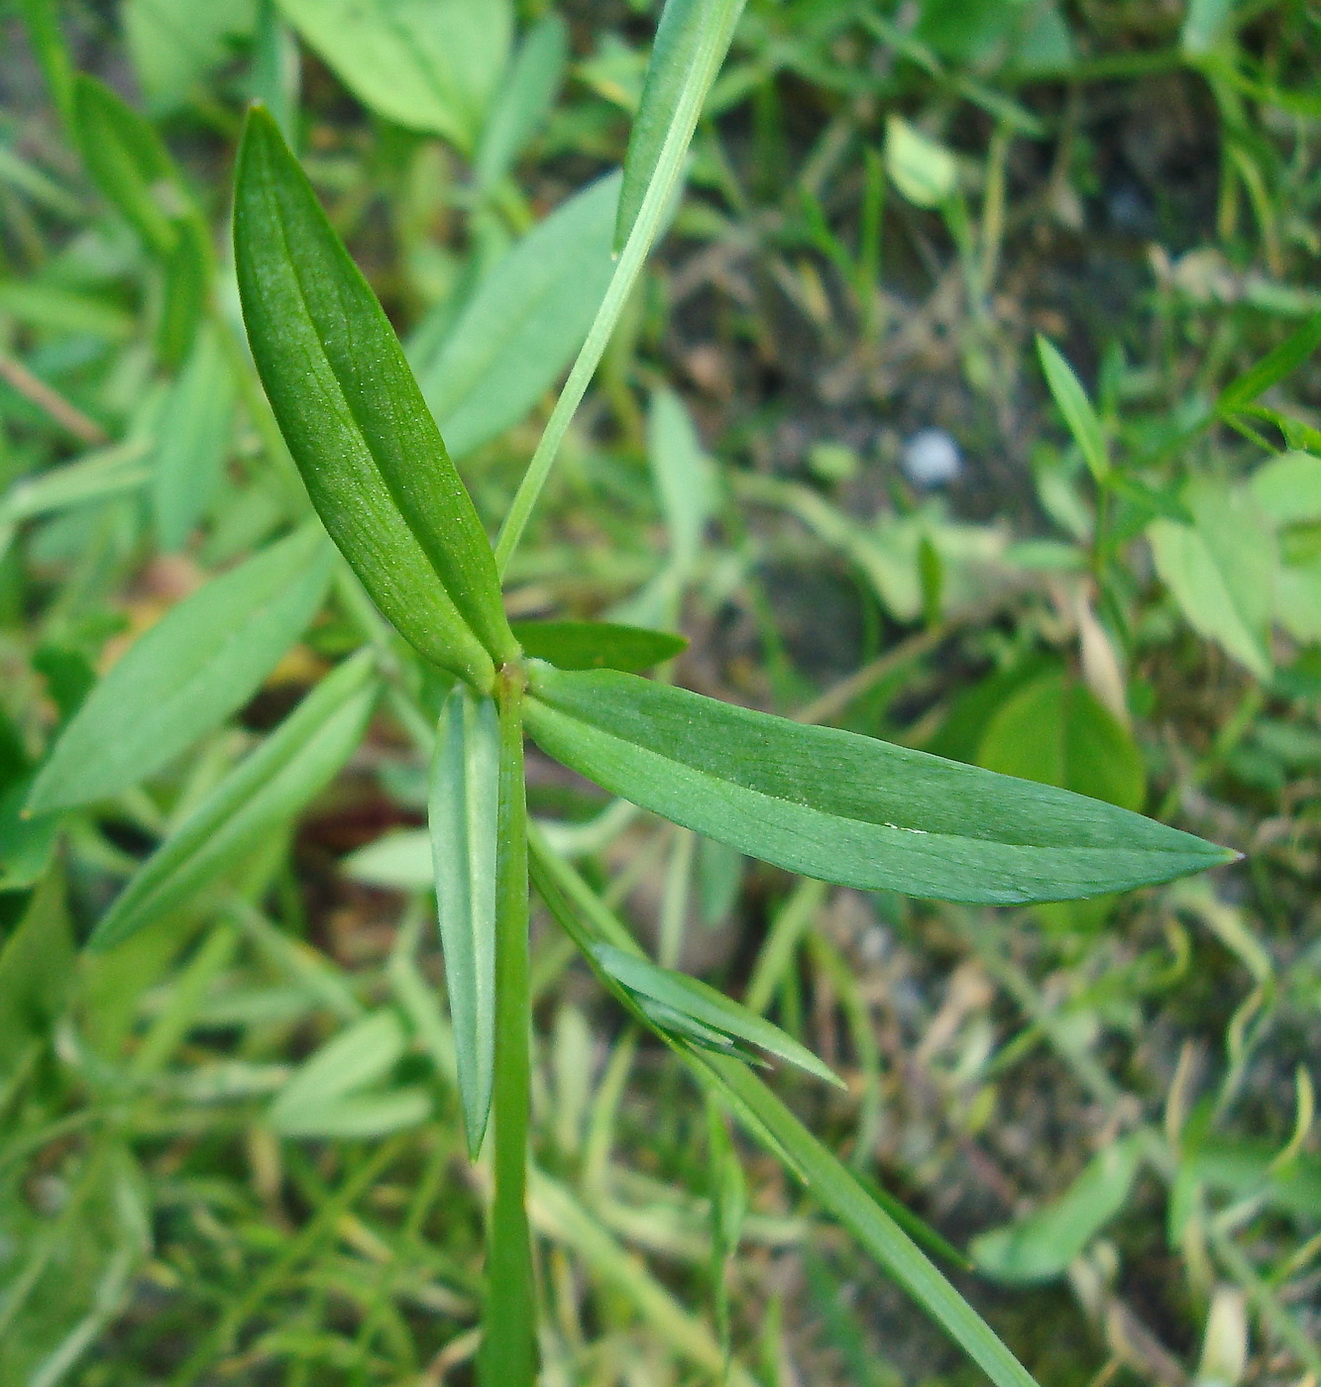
x,y
196,666
691,40
527,94
693,998
369,451
1075,407
462,813
257,797
846,808
596,644
521,328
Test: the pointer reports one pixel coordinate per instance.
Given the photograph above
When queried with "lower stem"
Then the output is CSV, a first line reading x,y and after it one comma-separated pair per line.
x,y
508,1353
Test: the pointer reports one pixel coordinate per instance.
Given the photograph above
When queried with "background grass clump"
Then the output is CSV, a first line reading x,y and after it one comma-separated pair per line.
x,y
970,402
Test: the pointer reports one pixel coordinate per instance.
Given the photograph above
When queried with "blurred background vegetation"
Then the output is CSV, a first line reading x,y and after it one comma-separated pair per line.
x,y
822,446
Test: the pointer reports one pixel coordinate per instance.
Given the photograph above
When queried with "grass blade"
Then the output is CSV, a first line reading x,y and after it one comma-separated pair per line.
x,y
1076,408
259,795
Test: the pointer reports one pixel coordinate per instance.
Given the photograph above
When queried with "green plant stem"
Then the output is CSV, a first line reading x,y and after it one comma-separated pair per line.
x,y
508,1352
651,214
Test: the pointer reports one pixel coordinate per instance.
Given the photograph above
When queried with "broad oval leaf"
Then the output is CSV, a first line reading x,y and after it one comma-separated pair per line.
x,y
371,456
845,808
597,644
1221,570
522,326
1041,1246
428,64
1057,731
201,662
702,1003
462,817
261,794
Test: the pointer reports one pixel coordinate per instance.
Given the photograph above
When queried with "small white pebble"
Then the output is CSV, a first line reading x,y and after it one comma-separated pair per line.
x,y
931,458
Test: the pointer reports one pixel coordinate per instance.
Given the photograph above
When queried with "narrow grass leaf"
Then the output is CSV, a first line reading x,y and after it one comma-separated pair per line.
x,y
525,100
590,924
1076,408
332,1093
201,662
695,999
430,65
192,440
400,861
259,796
597,644
691,39
846,808
683,476
370,453
519,332
127,161
1041,1246
462,817
1272,368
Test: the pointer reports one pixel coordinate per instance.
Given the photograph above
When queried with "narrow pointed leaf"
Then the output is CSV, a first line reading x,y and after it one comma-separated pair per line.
x,y
258,797
127,161
462,812
1075,407
371,456
518,333
845,808
1272,368
527,95
695,999
201,662
597,644
589,923
691,40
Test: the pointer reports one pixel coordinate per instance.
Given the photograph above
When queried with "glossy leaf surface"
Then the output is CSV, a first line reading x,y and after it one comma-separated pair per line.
x,y
257,798
461,815
846,808
354,419
597,644
201,662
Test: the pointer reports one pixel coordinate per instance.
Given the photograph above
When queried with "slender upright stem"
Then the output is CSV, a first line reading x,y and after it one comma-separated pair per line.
x,y
508,1354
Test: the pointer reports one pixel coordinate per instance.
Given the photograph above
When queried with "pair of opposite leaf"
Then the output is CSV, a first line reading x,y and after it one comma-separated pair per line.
x,y
819,801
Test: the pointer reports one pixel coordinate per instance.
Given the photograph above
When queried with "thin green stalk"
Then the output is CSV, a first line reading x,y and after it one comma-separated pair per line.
x,y
654,207
508,1352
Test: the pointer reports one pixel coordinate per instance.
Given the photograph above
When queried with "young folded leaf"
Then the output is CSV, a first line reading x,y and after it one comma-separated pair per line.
x,y
846,808
694,999
461,812
371,456
597,644
261,794
200,663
